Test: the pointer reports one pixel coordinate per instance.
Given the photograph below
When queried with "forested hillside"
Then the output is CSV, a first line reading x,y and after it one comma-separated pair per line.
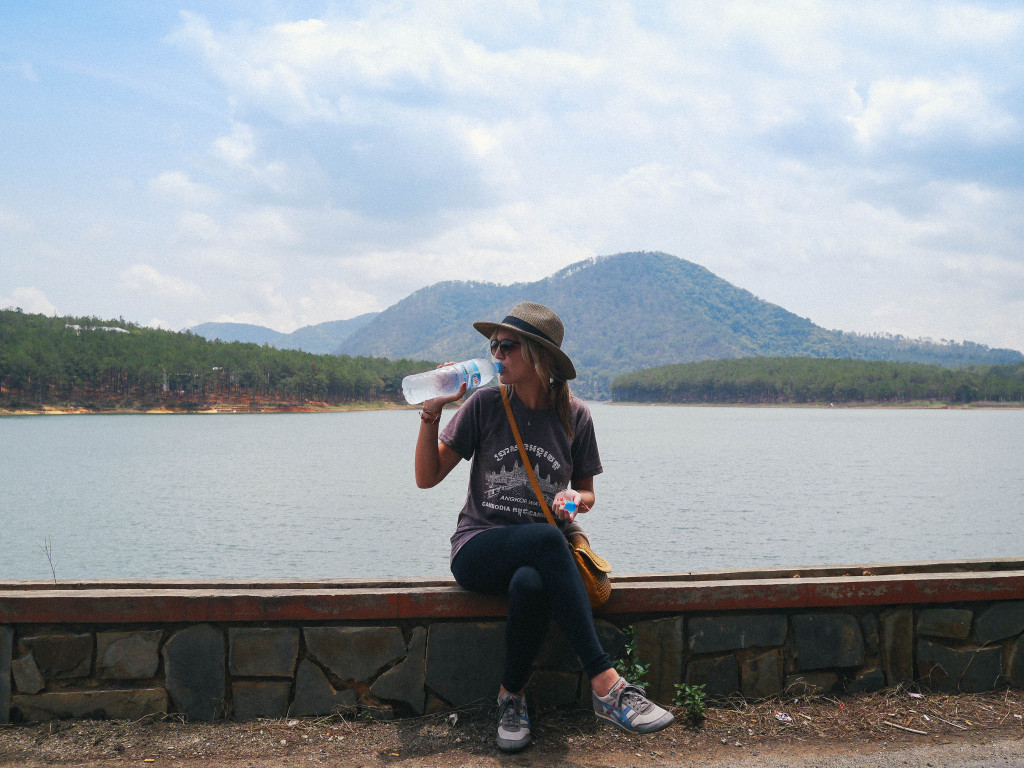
x,y
807,380
93,363
623,313
632,311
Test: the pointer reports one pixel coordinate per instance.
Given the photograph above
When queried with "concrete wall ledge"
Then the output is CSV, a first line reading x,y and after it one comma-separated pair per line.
x,y
210,649
290,600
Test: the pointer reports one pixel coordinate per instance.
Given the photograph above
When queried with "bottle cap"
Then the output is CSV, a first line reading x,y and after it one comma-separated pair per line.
x,y
570,506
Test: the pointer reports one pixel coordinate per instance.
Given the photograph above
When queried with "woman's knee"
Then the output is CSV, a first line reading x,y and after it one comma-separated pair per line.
x,y
526,581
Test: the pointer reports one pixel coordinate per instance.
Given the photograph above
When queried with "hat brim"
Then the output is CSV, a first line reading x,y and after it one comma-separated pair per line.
x,y
566,369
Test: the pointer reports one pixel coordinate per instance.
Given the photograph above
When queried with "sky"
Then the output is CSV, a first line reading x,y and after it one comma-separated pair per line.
x,y
289,163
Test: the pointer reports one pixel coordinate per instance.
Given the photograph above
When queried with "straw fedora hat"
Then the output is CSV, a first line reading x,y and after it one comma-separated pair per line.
x,y
537,322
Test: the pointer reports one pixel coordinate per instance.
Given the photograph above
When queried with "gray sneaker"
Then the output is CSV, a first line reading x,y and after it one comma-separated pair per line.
x,y
513,723
627,707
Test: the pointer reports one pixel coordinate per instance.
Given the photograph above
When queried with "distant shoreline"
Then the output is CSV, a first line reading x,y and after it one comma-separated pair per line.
x,y
206,410
848,406
315,407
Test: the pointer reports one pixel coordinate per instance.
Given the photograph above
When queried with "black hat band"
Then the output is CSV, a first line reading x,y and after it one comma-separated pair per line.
x,y
522,325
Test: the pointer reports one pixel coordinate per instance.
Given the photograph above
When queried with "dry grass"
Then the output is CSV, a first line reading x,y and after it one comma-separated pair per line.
x,y
787,724
877,715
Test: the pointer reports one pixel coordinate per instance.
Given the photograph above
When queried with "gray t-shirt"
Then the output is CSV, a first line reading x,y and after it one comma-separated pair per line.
x,y
500,492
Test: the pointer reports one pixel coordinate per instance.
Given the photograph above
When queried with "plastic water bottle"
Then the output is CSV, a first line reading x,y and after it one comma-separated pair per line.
x,y
447,379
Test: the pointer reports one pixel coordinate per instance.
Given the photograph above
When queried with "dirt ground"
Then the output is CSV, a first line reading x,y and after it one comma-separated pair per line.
x,y
896,728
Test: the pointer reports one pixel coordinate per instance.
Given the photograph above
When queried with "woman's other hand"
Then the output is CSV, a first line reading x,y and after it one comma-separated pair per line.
x,y
558,505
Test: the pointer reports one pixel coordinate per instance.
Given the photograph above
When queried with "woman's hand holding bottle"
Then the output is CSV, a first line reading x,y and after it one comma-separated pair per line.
x,y
435,404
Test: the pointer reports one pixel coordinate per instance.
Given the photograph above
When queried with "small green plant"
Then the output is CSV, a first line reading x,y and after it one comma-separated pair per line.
x,y
628,663
693,700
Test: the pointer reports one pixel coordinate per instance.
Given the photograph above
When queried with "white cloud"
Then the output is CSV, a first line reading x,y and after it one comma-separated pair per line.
x,y
237,148
142,278
239,151
177,187
194,226
21,68
337,69
977,25
921,109
30,300
333,300
14,223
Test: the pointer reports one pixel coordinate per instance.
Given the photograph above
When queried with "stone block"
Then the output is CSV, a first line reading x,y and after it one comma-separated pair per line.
x,y
1015,663
316,697
958,670
999,621
826,640
405,682
255,699
811,683
869,628
898,646
92,705
263,652
60,656
354,653
866,681
27,677
128,655
612,639
760,675
661,644
552,688
720,675
953,623
714,634
465,661
6,652
556,653
195,671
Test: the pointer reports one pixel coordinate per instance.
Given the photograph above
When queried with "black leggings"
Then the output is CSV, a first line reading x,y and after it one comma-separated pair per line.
x,y
533,566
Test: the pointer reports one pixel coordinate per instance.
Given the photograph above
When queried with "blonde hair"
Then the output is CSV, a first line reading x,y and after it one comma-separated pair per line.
x,y
543,362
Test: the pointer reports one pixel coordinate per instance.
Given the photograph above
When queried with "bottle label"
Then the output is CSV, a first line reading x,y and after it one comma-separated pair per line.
x,y
472,375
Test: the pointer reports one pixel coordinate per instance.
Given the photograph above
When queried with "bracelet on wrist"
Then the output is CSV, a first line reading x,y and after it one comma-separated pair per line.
x,y
430,417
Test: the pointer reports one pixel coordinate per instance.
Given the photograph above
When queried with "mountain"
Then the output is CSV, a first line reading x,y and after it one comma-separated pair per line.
x,y
631,311
244,332
324,338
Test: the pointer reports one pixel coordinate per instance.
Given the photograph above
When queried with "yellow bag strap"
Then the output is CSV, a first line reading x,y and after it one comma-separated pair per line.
x,y
525,457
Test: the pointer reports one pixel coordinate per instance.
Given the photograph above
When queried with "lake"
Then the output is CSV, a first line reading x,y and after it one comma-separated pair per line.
x,y
331,495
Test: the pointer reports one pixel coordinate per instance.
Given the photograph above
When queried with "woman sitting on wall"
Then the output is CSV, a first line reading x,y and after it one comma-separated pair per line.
x,y
502,543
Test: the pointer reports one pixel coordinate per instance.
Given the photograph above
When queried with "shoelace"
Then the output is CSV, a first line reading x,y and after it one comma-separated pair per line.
x,y
509,711
634,697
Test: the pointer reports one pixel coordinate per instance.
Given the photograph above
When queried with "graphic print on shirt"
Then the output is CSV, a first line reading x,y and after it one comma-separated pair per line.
x,y
510,490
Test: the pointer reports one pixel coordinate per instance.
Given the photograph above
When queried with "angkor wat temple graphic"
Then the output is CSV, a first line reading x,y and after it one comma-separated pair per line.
x,y
517,480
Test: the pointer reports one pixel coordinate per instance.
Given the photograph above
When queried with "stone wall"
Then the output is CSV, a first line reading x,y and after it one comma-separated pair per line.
x,y
382,668
208,671
971,648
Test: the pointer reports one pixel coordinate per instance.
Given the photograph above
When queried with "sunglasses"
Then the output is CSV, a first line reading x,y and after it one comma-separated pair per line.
x,y
505,345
